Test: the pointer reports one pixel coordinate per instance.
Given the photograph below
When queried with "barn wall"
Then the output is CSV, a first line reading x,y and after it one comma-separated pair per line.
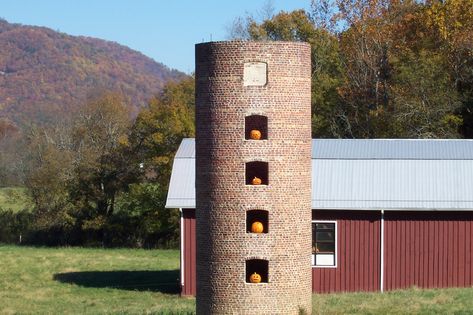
x,y
358,262
189,287
428,249
423,249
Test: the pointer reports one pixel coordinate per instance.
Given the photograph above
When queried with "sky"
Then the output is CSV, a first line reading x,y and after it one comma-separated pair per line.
x,y
163,30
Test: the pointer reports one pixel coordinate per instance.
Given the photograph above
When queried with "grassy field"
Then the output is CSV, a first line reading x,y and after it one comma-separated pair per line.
x,y
14,198
126,281
413,301
90,281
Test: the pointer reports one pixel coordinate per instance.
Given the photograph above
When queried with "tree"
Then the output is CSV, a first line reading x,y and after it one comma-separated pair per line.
x,y
141,213
398,81
155,137
452,22
77,169
11,146
159,129
48,171
103,178
326,63
104,163
425,99
382,68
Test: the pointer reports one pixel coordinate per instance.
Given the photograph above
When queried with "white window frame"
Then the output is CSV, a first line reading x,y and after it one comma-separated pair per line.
x,y
336,245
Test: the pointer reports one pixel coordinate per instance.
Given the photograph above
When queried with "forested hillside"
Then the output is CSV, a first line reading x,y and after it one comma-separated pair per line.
x,y
45,74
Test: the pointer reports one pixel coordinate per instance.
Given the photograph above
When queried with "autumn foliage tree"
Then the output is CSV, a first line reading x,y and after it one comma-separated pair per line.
x,y
11,146
452,23
102,178
383,68
159,129
156,135
77,169
103,163
326,63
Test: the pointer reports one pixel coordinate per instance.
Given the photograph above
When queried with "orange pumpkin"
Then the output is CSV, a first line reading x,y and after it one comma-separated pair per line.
x,y
256,181
255,278
257,227
255,134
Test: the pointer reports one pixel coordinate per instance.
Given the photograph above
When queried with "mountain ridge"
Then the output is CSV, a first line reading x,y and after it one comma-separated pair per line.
x,y
45,74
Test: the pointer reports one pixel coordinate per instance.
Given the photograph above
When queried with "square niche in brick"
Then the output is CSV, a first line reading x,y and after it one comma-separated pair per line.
x,y
256,127
257,221
256,173
258,267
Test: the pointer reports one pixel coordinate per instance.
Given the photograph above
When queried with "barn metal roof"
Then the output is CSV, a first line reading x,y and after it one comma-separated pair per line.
x,y
392,149
369,174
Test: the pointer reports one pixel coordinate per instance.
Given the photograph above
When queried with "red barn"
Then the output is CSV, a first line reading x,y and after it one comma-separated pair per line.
x,y
386,214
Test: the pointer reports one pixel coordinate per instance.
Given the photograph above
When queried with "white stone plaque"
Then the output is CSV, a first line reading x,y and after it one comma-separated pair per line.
x,y
255,74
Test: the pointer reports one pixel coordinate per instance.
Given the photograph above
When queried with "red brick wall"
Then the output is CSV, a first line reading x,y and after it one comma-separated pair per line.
x,y
223,245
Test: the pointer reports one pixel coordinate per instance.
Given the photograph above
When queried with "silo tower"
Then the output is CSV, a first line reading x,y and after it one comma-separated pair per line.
x,y
253,177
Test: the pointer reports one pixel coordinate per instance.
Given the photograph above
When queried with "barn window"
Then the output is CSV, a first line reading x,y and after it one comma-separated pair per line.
x,y
324,243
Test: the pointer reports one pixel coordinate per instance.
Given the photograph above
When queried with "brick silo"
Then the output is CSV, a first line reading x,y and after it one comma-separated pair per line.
x,y
253,166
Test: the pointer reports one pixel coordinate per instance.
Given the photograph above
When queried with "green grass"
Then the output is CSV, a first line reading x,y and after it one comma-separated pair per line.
x,y
413,301
128,281
90,281
14,198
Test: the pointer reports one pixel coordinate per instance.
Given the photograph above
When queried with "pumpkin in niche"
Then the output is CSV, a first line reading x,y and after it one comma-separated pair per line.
x,y
255,278
255,134
257,227
256,181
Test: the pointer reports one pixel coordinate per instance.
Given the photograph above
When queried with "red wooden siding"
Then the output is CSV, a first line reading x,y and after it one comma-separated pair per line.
x,y
358,252
189,287
428,249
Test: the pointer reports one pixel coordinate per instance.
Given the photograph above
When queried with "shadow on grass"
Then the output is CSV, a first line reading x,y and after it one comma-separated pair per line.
x,y
164,281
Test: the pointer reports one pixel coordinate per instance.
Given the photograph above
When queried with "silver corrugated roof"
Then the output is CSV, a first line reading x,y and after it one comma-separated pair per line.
x,y
367,175
392,149
186,149
392,184
181,193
